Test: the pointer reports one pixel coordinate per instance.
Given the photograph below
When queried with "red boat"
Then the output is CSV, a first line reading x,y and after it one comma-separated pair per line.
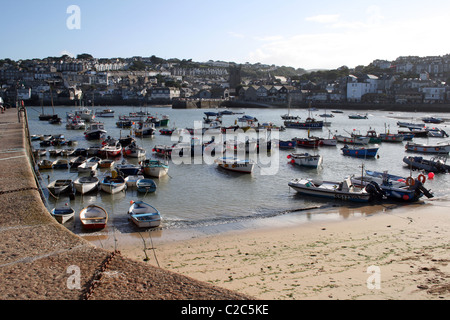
x,y
93,217
307,143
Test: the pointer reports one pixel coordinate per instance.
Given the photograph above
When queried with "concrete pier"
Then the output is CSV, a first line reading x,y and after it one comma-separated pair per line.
x,y
42,260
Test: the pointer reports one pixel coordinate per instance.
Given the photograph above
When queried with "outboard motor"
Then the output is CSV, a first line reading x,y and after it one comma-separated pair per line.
x,y
419,188
375,190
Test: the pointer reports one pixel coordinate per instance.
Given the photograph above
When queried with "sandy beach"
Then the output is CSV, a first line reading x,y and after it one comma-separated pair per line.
x,y
400,254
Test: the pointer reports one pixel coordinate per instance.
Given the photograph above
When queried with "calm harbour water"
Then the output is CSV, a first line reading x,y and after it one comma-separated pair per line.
x,y
205,196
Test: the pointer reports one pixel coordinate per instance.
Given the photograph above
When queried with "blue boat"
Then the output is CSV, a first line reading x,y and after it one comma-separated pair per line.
x,y
287,144
360,152
309,123
128,169
146,185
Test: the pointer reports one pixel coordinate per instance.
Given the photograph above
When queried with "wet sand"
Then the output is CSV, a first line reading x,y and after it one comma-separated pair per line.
x,y
399,254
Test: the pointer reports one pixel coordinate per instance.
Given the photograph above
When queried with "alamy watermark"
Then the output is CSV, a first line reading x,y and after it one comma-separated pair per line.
x,y
73,22
374,280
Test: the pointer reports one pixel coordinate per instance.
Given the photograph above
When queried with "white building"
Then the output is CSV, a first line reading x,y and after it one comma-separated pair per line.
x,y
433,94
357,87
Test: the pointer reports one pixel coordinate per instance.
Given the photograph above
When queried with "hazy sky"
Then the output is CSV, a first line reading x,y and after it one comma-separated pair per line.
x,y
302,34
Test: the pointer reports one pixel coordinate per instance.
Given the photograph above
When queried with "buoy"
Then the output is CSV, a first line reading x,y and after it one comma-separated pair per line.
x,y
431,175
289,156
410,181
422,178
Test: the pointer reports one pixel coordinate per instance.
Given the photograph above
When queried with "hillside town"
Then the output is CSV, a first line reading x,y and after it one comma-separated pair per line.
x,y
86,80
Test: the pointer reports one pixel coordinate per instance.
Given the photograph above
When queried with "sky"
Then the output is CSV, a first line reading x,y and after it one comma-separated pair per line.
x,y
313,34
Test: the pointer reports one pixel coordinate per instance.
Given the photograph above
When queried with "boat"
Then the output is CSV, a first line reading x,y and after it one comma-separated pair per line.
x,y
85,114
40,152
163,150
287,144
144,215
337,111
127,169
106,163
424,148
358,116
235,164
113,184
134,151
391,137
289,117
309,123
372,134
131,180
146,185
45,164
111,149
61,186
360,140
145,129
436,165
154,168
305,159
63,214
106,113
95,131
75,124
344,190
124,124
86,184
307,142
60,164
126,141
160,122
93,217
432,120
359,152
437,133
77,161
87,166
167,131
395,187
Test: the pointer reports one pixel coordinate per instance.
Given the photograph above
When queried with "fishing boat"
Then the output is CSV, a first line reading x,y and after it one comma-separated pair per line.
x,y
85,114
432,120
395,187
62,214
359,152
436,165
160,122
410,125
424,148
146,185
105,113
391,137
124,124
144,215
61,186
437,133
45,164
127,169
95,131
154,168
145,129
360,140
134,151
86,184
358,116
163,150
167,131
111,149
75,124
309,123
305,159
60,164
235,164
374,138
287,144
93,217
344,190
131,180
113,184
307,142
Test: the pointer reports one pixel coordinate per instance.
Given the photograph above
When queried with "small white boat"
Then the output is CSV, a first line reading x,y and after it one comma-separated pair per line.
x,y
58,187
106,163
106,113
93,217
133,151
131,180
144,215
112,184
306,159
334,190
60,164
155,168
63,214
87,166
235,164
87,184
